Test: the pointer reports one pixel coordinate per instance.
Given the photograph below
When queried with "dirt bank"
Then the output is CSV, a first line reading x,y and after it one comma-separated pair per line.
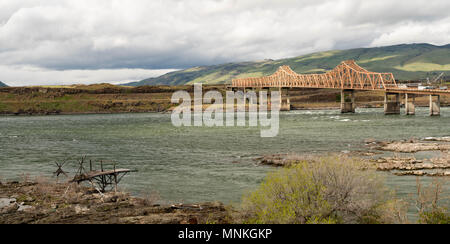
x,y
43,202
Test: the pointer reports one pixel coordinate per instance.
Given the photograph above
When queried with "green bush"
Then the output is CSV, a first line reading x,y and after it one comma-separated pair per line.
x,y
435,217
326,191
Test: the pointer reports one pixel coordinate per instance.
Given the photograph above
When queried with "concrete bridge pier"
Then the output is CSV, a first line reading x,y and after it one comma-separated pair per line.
x,y
285,100
348,101
269,95
391,106
435,107
410,107
249,100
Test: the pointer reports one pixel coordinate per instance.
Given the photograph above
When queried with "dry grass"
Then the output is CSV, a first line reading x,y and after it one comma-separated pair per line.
x,y
150,198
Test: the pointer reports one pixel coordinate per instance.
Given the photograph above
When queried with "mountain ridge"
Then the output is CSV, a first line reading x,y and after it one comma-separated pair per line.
x,y
3,84
406,61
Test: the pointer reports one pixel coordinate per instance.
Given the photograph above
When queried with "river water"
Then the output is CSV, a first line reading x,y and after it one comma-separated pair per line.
x,y
196,164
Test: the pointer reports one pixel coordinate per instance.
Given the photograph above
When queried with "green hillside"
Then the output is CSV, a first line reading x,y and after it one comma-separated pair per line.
x,y
3,84
407,62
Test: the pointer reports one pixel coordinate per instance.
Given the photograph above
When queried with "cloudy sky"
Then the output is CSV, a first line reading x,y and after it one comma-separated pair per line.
x,y
91,41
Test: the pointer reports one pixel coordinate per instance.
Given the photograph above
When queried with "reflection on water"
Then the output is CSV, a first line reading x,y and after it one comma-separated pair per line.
x,y
193,164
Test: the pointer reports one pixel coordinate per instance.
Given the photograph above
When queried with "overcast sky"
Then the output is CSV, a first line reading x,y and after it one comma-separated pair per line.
x,y
91,41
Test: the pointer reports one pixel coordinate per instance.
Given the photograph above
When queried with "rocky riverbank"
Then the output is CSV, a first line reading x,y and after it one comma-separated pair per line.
x,y
412,145
397,164
410,163
403,166
43,202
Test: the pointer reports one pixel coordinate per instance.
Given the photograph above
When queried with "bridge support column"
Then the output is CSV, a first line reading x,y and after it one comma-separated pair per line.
x,y
257,95
435,107
391,107
285,100
269,95
348,101
410,108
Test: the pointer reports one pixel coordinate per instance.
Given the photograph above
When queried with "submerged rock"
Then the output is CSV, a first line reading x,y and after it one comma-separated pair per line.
x,y
423,173
444,139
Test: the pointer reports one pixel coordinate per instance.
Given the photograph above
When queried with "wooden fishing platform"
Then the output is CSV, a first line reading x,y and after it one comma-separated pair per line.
x,y
103,178
98,174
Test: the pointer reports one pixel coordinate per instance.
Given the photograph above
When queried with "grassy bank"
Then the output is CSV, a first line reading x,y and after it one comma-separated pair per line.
x,y
83,99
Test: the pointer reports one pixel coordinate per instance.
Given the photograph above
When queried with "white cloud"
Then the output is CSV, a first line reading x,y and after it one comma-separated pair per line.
x,y
169,34
409,32
22,75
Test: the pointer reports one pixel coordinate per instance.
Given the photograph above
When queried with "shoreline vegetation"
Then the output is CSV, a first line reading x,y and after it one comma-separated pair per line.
x,y
106,99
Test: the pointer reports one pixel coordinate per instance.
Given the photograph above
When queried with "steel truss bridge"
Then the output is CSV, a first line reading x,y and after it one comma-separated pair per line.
x,y
347,77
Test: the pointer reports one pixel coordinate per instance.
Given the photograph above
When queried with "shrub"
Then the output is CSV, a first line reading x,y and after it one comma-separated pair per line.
x,y
428,203
440,216
327,190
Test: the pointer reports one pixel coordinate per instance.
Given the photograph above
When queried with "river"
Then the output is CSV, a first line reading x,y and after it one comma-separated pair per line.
x,y
196,164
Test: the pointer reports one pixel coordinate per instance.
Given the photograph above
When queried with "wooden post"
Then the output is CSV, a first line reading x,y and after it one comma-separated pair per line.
x,y
115,178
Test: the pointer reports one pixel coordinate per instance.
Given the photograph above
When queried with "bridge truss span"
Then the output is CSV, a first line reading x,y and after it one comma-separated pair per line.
x,y
347,75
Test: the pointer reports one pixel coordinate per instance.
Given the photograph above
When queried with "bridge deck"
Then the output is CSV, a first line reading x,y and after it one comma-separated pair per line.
x,y
419,92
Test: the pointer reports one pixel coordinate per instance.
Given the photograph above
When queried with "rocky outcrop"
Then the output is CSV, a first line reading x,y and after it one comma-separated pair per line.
x,y
411,165
412,145
406,147
397,163
10,205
